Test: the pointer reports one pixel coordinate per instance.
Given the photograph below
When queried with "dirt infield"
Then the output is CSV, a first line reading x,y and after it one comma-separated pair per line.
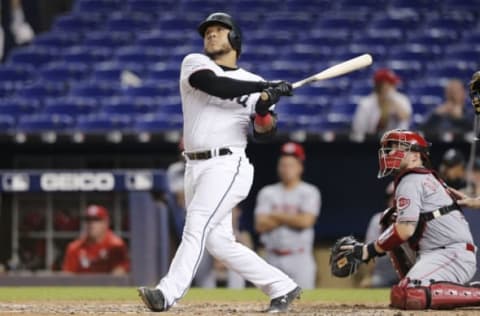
x,y
210,309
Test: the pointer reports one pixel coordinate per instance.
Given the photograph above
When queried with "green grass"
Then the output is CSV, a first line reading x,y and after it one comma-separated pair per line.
x,y
9,294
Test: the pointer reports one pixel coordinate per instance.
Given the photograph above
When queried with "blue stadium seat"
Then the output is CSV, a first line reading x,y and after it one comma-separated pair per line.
x,y
7,123
364,4
44,123
162,71
97,123
253,5
387,22
77,23
407,70
62,72
449,69
112,71
42,90
87,55
138,54
427,5
307,53
128,22
452,20
308,5
56,40
33,56
151,89
361,88
420,89
149,6
413,52
160,39
124,105
110,39
435,36
344,106
291,22
17,73
326,37
98,6
468,5
342,21
157,123
8,88
95,89
16,106
72,106
379,37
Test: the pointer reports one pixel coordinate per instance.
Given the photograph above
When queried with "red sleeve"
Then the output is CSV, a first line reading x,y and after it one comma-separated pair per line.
x,y
119,257
70,262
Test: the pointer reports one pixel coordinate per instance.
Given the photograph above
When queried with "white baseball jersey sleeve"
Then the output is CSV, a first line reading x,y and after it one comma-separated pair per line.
x,y
305,198
211,122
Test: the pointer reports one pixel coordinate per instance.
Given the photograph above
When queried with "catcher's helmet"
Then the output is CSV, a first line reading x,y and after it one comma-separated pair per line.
x,y
394,145
235,35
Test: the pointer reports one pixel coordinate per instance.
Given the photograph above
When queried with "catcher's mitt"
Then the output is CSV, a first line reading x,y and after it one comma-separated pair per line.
x,y
475,92
345,262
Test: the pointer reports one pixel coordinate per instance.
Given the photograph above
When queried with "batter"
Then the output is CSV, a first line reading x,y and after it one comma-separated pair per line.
x,y
219,101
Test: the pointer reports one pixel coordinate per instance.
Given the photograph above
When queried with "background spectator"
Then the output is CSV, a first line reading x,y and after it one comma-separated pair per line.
x,y
452,169
98,250
285,214
452,115
384,109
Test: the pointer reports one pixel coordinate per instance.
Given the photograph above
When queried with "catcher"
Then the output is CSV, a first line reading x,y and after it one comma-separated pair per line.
x,y
427,217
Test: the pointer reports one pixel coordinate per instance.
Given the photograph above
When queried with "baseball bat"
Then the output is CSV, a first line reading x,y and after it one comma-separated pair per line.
x,y
337,70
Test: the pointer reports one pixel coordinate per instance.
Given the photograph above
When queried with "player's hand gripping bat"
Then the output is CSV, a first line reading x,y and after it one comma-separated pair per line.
x,y
337,70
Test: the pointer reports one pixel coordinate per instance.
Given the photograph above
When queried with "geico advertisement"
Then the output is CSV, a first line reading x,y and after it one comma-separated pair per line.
x,y
87,181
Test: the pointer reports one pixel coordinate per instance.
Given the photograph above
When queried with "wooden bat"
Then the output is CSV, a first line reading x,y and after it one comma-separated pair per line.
x,y
338,70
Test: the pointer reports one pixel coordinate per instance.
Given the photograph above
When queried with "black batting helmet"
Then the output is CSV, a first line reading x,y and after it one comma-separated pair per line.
x,y
235,35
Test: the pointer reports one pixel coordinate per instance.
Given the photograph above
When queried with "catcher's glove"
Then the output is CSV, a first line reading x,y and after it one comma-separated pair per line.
x,y
475,92
345,262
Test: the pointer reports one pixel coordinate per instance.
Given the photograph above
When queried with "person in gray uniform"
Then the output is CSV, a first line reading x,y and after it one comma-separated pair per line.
x,y
284,216
427,216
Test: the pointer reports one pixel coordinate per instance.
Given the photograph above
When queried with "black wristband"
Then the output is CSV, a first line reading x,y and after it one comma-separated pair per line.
x,y
372,252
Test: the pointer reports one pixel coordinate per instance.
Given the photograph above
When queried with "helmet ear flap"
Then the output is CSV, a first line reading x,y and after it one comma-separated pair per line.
x,y
235,40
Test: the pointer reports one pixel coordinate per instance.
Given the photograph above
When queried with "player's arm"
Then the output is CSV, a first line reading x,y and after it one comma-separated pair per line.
x,y
70,262
265,223
465,200
297,221
224,87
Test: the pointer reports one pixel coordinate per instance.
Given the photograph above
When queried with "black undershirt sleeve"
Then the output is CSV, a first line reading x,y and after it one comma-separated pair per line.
x,y
223,87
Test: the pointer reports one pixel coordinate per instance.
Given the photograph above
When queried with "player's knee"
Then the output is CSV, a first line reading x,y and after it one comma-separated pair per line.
x,y
404,297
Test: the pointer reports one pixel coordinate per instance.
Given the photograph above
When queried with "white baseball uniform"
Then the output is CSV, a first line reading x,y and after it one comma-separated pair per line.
x,y
288,248
214,186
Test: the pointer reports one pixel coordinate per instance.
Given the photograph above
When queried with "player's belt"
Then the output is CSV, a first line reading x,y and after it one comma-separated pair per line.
x,y
207,154
285,252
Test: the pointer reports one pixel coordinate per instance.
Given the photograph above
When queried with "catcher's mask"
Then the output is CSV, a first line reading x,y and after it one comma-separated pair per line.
x,y
395,145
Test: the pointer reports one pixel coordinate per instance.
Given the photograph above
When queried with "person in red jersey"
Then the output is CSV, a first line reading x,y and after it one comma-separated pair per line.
x,y
98,250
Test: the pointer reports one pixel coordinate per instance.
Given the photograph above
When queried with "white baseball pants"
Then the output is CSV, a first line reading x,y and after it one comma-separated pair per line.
x,y
212,188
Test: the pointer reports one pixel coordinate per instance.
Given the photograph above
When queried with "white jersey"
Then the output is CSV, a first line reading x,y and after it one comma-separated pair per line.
x,y
275,198
210,122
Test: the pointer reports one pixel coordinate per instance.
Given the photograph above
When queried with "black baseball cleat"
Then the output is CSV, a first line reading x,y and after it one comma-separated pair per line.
x,y
153,298
280,304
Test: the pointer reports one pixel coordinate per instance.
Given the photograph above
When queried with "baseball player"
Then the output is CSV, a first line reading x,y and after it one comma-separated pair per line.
x,y
284,216
426,215
219,100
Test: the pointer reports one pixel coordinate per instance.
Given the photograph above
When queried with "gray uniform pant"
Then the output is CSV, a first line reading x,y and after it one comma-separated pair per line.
x,y
301,267
454,263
